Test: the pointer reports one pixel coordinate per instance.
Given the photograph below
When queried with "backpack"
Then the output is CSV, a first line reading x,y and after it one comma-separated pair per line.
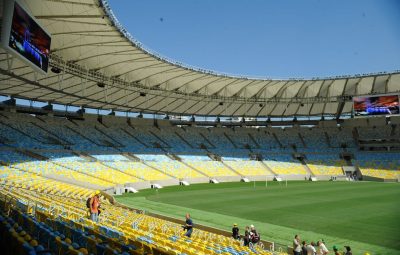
x,y
88,202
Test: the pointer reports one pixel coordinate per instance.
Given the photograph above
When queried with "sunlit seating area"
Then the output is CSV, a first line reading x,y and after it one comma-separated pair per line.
x,y
283,164
138,169
387,167
380,173
24,163
325,164
57,222
248,167
61,140
211,168
100,171
13,178
176,169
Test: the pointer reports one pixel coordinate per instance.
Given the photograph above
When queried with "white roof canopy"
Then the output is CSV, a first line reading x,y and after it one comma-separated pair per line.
x,y
91,49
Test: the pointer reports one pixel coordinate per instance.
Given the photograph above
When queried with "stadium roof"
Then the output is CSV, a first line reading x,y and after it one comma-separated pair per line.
x,y
102,66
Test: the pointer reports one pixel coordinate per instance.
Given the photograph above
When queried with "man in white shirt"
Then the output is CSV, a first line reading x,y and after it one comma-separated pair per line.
x,y
296,245
322,250
311,249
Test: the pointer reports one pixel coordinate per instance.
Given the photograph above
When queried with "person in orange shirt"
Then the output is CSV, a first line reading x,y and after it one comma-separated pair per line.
x,y
94,207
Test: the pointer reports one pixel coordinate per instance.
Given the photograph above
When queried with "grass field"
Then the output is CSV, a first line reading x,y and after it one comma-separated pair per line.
x,y
364,215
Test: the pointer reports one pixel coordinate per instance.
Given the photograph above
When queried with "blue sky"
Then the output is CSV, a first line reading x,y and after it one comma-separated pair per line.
x,y
277,39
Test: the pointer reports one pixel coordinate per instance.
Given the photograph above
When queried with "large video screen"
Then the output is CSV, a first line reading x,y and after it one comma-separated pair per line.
x,y
376,105
28,39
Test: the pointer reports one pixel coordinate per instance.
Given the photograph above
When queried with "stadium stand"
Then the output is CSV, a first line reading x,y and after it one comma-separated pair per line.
x,y
58,141
249,167
325,164
265,137
370,133
193,138
286,166
16,160
341,137
384,166
52,219
138,169
176,169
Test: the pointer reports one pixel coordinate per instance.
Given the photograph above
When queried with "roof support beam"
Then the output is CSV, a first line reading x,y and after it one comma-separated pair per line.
x,y
81,16
73,3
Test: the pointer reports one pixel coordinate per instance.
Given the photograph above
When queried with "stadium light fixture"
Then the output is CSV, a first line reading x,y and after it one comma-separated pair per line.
x,y
10,102
81,110
101,84
48,107
56,70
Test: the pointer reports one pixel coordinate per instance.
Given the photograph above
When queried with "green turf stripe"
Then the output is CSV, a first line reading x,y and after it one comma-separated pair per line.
x,y
364,214
268,231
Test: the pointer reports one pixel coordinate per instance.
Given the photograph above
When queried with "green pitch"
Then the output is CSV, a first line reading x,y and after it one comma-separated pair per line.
x,y
364,215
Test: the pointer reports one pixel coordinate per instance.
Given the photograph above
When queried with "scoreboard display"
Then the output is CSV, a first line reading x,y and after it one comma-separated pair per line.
x,y
376,105
23,37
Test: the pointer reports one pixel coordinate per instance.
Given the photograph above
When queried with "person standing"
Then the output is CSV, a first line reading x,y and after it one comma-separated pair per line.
x,y
94,207
348,251
254,236
296,245
188,226
235,232
311,249
246,238
304,248
336,250
322,250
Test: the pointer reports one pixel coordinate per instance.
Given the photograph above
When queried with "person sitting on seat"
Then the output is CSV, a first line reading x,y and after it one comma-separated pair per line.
x,y
254,236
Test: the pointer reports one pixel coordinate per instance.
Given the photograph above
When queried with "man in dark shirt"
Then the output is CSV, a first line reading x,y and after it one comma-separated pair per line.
x,y
235,232
348,251
246,238
304,248
188,226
